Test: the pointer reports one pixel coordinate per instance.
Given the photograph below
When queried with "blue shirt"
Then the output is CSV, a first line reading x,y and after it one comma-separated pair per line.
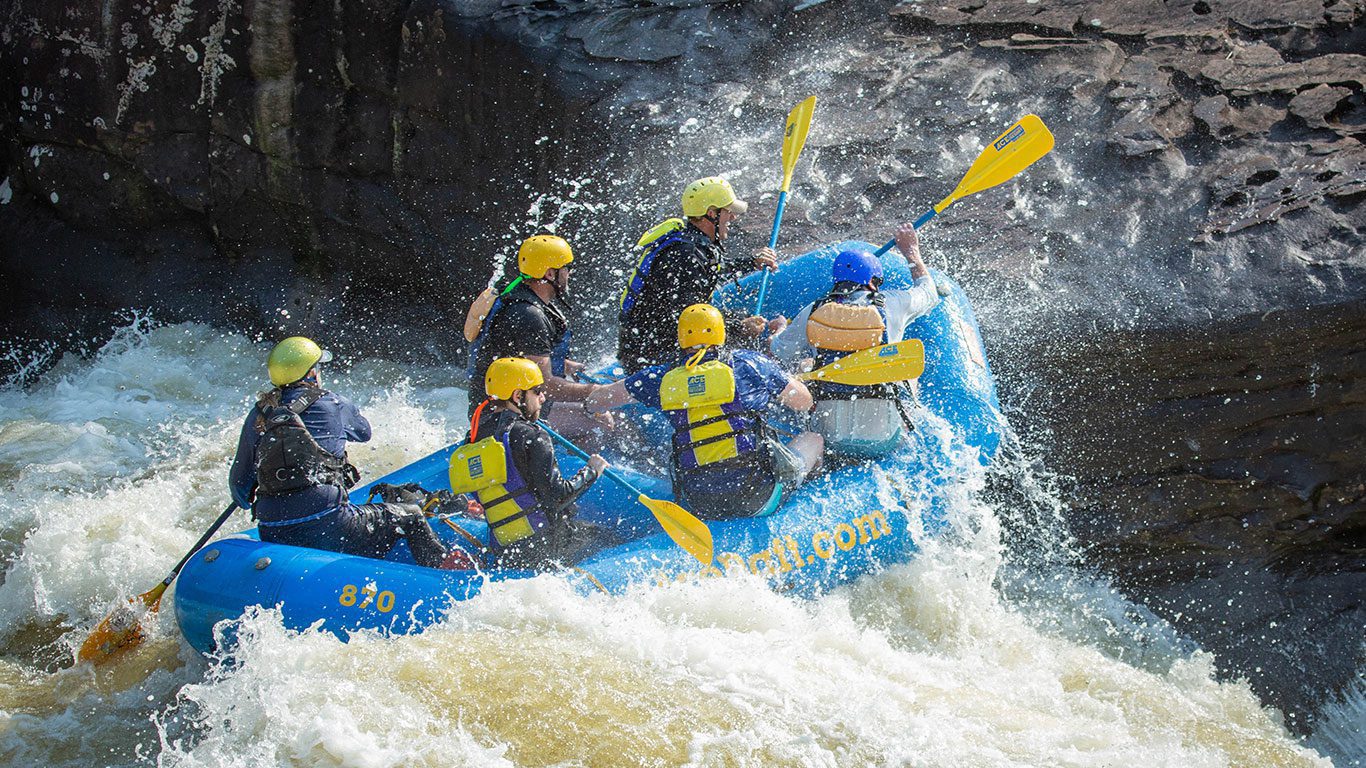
x,y
333,421
758,379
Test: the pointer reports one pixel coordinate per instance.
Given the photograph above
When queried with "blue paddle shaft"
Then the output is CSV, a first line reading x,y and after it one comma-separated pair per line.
x,y
920,222
581,453
772,243
778,219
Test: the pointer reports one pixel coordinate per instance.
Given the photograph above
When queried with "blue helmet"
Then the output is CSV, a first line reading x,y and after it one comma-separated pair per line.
x,y
857,266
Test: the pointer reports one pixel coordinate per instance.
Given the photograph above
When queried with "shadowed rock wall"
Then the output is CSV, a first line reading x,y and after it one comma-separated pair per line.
x,y
272,163
1219,477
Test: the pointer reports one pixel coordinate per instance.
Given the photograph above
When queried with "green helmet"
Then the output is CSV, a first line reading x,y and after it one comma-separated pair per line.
x,y
293,358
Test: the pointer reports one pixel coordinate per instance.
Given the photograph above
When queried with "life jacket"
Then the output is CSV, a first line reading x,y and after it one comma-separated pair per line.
x,y
288,458
558,353
651,243
486,469
710,425
847,320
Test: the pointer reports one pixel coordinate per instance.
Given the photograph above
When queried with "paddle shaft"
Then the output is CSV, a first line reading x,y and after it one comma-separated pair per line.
x,y
198,545
592,378
794,138
772,243
581,453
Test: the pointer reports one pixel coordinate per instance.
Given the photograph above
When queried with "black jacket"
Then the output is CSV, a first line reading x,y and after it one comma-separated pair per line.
x,y
533,453
523,325
682,274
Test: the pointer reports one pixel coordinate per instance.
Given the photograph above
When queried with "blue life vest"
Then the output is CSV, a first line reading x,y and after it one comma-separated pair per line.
x,y
652,248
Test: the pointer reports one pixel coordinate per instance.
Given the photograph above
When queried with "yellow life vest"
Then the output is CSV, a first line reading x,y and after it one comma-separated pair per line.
x,y
485,469
709,425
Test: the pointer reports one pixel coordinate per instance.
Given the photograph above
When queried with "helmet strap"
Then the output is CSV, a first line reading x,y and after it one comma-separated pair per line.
x,y
697,358
521,407
715,226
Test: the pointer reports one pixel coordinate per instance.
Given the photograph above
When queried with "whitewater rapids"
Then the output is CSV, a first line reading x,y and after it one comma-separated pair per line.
x,y
113,465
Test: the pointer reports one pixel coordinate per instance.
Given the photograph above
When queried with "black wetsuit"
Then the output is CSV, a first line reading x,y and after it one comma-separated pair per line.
x,y
522,325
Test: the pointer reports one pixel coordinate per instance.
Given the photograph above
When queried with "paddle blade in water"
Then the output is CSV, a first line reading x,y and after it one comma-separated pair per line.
x,y
683,527
1013,151
901,361
122,629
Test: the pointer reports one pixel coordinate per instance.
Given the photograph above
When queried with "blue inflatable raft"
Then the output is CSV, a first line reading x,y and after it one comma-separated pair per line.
x,y
843,524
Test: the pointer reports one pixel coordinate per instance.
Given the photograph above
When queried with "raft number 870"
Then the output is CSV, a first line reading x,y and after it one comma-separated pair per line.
x,y
369,595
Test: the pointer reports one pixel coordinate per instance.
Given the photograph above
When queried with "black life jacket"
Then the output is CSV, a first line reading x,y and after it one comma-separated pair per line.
x,y
288,459
476,364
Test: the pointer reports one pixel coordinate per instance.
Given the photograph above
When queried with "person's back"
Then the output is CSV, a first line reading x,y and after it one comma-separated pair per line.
x,y
299,464
523,325
681,262
530,320
726,461
858,421
676,271
290,467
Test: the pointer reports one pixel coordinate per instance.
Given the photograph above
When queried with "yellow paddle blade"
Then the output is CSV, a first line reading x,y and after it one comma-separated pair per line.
x,y
122,629
682,526
1013,151
794,136
901,361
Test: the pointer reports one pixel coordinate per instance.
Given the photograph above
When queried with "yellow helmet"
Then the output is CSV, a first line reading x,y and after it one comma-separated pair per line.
x,y
293,358
712,191
542,253
701,324
509,374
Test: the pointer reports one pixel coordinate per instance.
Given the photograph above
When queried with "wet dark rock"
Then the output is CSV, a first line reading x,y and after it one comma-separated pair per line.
x,y
1261,69
1224,122
1220,480
1146,18
1315,104
1259,189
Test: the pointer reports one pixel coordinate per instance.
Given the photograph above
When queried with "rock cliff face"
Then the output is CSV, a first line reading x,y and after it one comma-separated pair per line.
x,y
356,169
1219,477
